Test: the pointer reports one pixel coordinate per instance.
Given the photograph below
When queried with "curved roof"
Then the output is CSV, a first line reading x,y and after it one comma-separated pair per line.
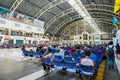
x,y
56,12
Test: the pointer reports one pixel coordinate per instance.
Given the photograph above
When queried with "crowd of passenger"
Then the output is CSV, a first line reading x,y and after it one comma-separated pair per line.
x,y
86,52
8,46
89,55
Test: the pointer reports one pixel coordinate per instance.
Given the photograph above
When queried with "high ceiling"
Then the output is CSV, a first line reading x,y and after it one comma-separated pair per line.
x,y
59,13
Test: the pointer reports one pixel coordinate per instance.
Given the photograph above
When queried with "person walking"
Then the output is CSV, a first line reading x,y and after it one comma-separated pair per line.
x,y
110,52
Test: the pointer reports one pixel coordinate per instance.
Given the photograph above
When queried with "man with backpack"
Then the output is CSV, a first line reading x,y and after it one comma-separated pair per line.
x,y
110,50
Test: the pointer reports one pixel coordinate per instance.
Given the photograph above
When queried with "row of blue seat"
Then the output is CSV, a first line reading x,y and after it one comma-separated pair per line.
x,y
98,55
32,53
70,64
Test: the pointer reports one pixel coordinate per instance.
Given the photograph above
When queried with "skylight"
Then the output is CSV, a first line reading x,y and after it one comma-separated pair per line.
x,y
79,7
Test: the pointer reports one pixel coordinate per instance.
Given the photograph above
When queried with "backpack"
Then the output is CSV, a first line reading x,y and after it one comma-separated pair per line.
x,y
110,52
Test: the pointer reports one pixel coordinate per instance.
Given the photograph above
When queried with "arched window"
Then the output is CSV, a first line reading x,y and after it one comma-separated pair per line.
x,y
85,36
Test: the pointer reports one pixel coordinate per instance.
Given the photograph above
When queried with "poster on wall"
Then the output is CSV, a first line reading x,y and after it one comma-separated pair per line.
x,y
106,37
71,38
66,37
76,38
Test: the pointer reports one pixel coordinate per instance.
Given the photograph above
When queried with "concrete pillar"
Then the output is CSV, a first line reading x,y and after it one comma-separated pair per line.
x,y
9,32
14,41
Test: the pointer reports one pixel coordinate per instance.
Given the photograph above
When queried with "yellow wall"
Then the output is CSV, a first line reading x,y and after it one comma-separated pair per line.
x,y
117,5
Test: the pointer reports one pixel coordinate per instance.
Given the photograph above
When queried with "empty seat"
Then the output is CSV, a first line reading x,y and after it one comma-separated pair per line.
x,y
87,70
76,60
71,67
58,58
38,54
58,65
68,59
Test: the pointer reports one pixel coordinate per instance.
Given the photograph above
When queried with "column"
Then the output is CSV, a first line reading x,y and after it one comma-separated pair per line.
x,y
9,32
14,41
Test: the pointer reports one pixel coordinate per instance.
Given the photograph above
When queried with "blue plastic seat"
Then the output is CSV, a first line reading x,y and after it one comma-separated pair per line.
x,y
71,67
87,70
38,54
76,60
24,53
73,55
30,54
58,58
58,65
68,59
44,50
81,55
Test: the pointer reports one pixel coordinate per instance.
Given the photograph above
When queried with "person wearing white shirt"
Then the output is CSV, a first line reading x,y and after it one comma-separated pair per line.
x,y
110,50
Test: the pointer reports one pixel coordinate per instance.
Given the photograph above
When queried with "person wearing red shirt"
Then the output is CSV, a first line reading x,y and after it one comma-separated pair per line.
x,y
73,50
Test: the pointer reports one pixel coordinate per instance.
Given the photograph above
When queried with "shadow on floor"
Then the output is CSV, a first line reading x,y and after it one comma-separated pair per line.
x,y
60,75
13,70
111,74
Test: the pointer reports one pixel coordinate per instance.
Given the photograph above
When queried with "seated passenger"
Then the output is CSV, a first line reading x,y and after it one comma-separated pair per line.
x,y
73,50
48,54
58,53
87,61
39,49
93,57
23,48
31,53
62,50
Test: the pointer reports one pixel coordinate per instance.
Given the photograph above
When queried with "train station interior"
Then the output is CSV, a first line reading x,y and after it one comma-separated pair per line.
x,y
59,39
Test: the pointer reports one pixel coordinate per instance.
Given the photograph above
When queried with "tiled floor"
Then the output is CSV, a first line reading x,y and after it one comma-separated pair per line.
x,y
14,53
12,69
118,63
112,74
60,75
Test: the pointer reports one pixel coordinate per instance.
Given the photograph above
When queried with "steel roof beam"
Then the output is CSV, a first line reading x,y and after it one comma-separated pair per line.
x,y
68,20
98,24
103,15
53,4
81,20
70,10
48,7
15,6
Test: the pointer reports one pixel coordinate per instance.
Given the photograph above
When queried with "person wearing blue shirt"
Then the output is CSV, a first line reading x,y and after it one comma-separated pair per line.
x,y
93,57
58,53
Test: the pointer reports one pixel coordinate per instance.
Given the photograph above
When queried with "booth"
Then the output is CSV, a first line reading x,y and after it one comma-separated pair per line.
x,y
18,39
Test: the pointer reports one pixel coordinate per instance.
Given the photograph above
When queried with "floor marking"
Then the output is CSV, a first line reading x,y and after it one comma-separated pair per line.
x,y
35,75
101,70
